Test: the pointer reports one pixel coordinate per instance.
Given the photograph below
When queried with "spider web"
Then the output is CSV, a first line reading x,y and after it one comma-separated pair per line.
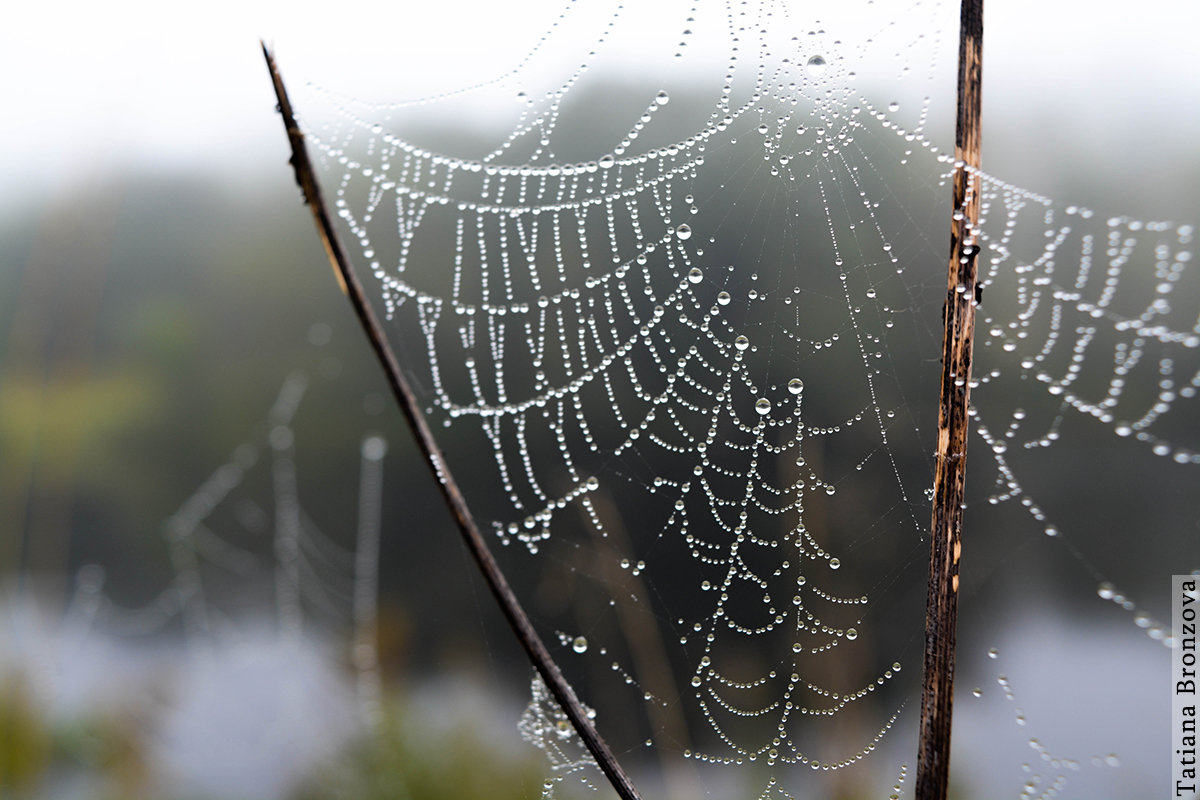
x,y
679,337
230,552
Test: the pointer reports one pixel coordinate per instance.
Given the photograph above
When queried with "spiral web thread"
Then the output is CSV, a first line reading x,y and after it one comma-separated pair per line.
x,y
629,354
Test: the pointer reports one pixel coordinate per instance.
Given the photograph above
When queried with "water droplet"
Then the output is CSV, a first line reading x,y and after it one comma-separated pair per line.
x,y
606,162
579,645
817,66
684,231
993,653
762,405
741,343
662,98
695,275
893,106
374,448
795,386
1051,530
833,562
723,298
851,634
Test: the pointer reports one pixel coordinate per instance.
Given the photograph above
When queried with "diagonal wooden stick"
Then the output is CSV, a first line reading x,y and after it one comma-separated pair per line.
x,y
517,618
941,615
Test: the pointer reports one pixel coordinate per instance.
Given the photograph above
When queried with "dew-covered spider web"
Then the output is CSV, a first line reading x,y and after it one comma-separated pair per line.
x,y
215,540
261,616
669,283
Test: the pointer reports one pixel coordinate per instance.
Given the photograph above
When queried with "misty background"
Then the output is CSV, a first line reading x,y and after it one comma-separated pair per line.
x,y
160,281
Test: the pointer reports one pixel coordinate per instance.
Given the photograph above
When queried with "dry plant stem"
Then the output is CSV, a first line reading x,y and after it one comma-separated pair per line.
x,y
941,615
517,619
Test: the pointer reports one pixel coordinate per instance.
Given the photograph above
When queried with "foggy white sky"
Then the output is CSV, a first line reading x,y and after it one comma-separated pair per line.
x,y
90,88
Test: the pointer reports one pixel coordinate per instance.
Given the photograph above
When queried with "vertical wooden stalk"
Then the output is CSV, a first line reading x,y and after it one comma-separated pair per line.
x,y
941,615
518,620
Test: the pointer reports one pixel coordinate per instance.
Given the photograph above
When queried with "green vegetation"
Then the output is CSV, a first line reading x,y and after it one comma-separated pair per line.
x,y
411,759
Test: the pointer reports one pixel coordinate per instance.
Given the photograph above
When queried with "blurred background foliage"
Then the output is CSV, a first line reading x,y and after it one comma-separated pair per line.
x,y
147,319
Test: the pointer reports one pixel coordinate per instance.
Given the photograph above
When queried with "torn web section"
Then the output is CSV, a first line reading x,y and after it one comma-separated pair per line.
x,y
1087,372
1083,471
546,726
663,307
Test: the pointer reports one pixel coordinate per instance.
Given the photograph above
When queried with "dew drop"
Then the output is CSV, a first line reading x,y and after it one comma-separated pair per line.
x,y
741,343
762,405
684,231
833,562
893,106
817,66
606,161
993,653
374,448
851,634
662,98
723,298
795,386
695,275
579,645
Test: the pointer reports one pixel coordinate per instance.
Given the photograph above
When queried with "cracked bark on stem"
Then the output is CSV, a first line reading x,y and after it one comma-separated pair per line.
x,y
511,606
941,615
